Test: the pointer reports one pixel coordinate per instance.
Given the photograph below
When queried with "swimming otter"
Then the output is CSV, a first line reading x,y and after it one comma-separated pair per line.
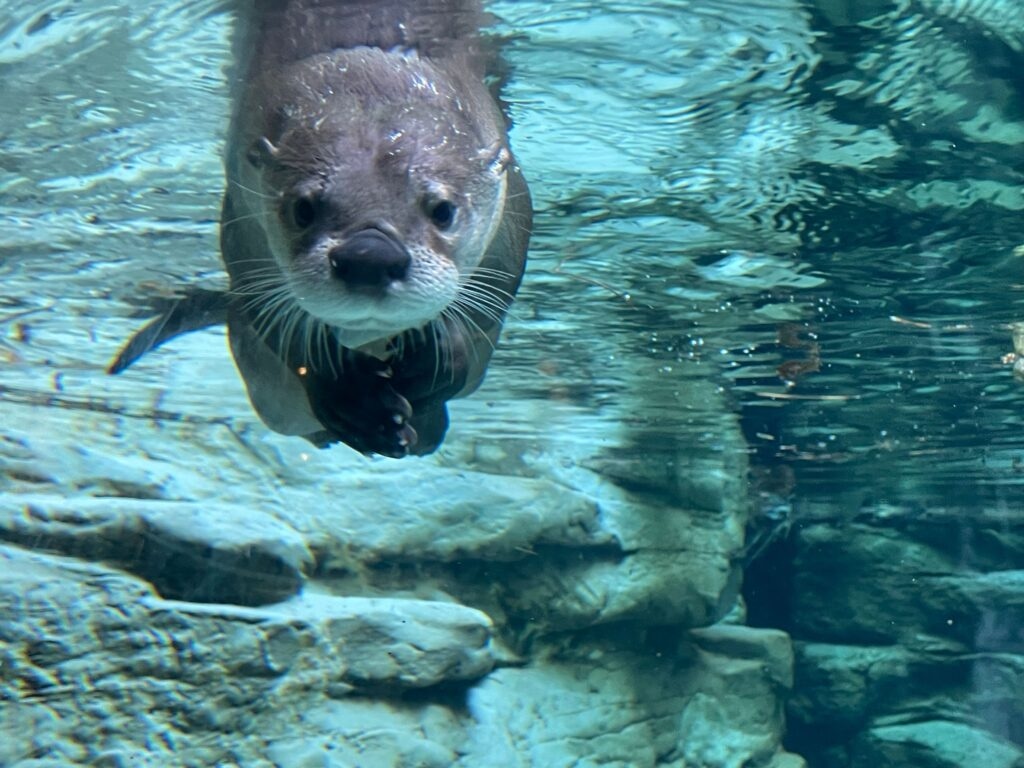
x,y
374,226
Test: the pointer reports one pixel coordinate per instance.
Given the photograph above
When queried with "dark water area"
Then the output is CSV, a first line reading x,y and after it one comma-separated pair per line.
x,y
900,448
763,374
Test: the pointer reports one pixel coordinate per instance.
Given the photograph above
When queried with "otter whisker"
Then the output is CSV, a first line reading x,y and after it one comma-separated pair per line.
x,y
483,304
257,287
487,285
459,315
325,339
496,298
255,215
307,330
439,332
250,190
274,312
256,260
490,271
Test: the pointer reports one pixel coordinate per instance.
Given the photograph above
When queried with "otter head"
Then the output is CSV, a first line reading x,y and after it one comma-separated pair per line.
x,y
381,180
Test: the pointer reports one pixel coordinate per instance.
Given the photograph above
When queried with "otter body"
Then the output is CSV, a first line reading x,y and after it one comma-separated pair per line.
x,y
374,224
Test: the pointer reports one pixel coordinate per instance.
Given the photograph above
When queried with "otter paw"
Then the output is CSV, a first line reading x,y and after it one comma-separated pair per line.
x,y
363,410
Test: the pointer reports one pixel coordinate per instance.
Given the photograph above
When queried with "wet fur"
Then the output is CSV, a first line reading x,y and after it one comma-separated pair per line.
x,y
389,396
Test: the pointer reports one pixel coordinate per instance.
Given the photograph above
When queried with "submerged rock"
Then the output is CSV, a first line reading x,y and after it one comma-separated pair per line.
x,y
86,649
634,699
216,553
907,636
934,744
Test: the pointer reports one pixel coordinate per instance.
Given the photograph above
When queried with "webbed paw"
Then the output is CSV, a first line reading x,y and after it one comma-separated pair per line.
x,y
361,407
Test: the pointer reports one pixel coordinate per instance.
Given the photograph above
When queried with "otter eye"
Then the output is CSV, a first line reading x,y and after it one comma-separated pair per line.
x,y
442,213
303,213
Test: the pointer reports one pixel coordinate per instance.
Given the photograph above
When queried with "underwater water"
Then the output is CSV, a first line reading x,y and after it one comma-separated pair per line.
x,y
743,486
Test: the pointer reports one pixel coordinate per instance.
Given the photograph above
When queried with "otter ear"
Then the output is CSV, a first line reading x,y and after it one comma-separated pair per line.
x,y
496,158
261,152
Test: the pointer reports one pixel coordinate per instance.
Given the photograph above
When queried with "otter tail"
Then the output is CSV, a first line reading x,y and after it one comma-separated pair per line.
x,y
198,308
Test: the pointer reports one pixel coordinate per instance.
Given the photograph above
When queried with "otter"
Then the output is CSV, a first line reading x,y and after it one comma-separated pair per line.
x,y
374,224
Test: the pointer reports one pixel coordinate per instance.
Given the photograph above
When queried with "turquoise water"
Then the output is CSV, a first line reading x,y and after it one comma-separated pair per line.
x,y
772,292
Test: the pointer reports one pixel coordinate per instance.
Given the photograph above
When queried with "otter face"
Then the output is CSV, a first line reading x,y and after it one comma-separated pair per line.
x,y
381,189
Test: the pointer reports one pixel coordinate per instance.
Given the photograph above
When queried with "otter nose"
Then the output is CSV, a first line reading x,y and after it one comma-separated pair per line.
x,y
369,259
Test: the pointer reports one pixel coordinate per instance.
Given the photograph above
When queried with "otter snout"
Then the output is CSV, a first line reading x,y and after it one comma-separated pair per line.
x,y
369,261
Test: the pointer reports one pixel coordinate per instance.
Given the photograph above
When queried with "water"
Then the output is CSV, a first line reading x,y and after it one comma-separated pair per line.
x,y
774,275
